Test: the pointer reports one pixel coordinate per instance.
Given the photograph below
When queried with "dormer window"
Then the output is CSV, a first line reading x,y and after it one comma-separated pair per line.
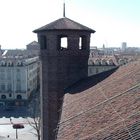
x,y
80,43
103,62
97,62
3,63
19,63
110,62
9,63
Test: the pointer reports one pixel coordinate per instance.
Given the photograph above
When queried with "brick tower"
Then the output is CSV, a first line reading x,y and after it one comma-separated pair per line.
x,y
64,56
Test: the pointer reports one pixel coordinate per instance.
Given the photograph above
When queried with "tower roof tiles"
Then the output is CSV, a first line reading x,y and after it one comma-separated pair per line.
x,y
108,110
64,24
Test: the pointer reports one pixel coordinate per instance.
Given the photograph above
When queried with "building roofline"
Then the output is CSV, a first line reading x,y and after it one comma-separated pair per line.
x,y
64,24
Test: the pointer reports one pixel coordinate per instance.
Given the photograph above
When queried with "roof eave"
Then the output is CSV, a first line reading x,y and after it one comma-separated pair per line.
x,y
39,31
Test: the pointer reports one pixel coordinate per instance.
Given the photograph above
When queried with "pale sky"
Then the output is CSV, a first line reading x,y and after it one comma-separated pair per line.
x,y
115,21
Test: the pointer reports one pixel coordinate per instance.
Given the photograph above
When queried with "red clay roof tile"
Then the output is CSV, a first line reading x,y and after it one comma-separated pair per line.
x,y
109,110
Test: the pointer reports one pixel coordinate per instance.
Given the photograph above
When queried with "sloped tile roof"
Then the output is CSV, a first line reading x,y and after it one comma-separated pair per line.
x,y
64,24
34,43
110,110
24,53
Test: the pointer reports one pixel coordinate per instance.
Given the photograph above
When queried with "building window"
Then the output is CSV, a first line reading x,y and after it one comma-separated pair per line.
x,y
18,75
9,63
31,83
19,63
9,87
62,42
3,63
19,97
10,95
9,75
3,97
90,70
2,70
43,42
18,70
2,76
18,86
3,87
97,70
82,43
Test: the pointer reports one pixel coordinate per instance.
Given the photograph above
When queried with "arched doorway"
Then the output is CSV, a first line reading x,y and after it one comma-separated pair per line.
x,y
3,96
19,97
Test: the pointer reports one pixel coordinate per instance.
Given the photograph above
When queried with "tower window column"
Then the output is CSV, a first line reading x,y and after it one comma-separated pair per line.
x,y
43,42
62,42
82,42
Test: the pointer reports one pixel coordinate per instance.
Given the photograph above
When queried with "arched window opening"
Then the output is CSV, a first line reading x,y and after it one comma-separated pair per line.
x,y
43,42
3,96
82,42
62,42
19,97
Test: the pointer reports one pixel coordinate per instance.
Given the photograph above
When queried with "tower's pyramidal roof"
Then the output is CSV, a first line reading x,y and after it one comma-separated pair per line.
x,y
64,24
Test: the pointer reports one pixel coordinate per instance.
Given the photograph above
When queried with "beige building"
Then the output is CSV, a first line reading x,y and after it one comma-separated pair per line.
x,y
100,65
18,78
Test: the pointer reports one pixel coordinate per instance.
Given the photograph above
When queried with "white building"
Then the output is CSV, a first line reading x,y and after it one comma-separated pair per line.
x,y
18,78
124,46
96,66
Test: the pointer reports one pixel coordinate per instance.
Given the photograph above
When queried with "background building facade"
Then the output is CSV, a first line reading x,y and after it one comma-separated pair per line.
x,y
124,46
18,78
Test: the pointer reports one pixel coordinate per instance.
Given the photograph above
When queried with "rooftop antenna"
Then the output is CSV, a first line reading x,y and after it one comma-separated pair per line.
x,y
64,9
